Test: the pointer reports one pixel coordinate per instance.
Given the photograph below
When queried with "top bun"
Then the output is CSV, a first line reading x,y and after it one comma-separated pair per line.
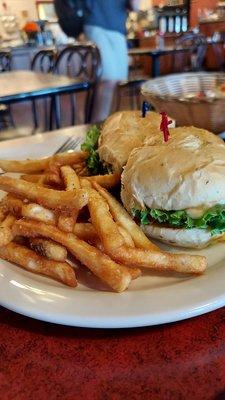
x,y
186,172
122,132
187,135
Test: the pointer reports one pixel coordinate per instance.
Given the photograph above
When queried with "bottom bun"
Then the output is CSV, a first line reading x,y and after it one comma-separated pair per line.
x,y
190,238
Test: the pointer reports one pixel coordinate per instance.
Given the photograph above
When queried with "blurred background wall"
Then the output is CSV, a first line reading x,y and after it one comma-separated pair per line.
x,y
19,6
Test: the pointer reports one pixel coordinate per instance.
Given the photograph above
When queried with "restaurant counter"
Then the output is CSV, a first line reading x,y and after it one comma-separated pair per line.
x,y
213,60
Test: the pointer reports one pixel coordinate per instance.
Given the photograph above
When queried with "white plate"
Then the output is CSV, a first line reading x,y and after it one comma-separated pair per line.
x,y
150,300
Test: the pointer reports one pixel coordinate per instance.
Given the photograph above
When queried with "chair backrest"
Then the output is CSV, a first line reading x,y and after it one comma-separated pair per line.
x,y
5,60
44,61
197,44
80,61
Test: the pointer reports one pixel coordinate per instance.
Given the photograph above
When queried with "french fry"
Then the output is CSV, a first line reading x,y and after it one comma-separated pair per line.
x,y
80,164
13,205
71,182
102,220
85,183
70,158
8,221
134,272
32,166
41,180
38,213
52,175
35,178
81,169
127,237
32,262
53,199
6,235
116,248
66,223
106,181
48,249
3,212
85,231
121,216
100,264
160,261
70,178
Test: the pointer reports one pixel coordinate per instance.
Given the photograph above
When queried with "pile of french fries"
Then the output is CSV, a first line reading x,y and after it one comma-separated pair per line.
x,y
55,212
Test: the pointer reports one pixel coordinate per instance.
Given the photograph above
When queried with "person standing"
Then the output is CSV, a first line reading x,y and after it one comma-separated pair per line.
x,y
105,25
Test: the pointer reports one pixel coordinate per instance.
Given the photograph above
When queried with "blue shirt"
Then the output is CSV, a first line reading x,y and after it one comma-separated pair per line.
x,y
108,14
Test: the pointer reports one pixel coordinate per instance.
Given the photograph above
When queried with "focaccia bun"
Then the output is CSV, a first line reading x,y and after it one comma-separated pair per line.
x,y
184,173
189,238
122,132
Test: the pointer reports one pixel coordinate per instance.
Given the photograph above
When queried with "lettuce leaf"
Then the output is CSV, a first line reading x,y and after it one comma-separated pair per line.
x,y
91,145
213,219
93,162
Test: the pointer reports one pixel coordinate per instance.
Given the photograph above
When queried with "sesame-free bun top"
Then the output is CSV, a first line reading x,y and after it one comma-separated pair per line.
x,y
122,132
187,172
184,135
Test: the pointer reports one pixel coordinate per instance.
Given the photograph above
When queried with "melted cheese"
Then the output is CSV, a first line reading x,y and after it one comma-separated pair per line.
x,y
196,213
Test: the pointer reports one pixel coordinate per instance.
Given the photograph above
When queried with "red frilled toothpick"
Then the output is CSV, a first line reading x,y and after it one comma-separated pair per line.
x,y
164,126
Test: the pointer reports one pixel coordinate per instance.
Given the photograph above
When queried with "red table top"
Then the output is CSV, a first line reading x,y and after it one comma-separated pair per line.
x,y
184,360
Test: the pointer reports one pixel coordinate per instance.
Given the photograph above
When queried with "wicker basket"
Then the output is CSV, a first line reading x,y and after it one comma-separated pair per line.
x,y
170,93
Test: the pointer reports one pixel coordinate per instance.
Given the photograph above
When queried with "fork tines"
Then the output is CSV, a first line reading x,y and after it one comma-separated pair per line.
x,y
70,144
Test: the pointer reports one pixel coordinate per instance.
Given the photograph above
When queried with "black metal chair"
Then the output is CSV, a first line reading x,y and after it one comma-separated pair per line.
x,y
5,60
81,61
194,58
6,119
43,61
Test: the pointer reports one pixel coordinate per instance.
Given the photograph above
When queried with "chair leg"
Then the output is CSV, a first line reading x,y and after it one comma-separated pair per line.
x,y
3,124
57,112
12,123
35,118
72,101
89,105
46,113
52,101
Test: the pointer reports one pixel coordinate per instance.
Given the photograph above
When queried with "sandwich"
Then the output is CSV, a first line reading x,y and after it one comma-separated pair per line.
x,y
110,146
176,190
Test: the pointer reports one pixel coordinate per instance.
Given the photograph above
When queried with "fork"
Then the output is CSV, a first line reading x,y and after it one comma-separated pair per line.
x,y
70,144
